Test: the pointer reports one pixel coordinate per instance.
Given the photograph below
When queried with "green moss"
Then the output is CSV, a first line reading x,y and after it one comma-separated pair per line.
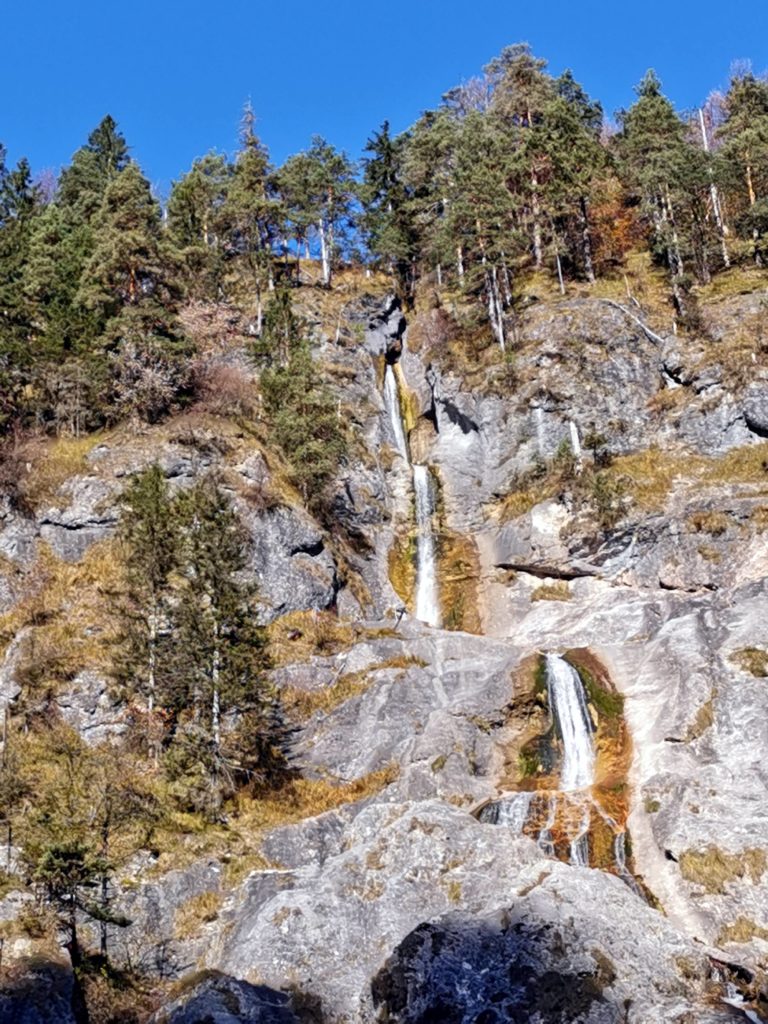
x,y
651,806
528,762
540,677
607,703
439,763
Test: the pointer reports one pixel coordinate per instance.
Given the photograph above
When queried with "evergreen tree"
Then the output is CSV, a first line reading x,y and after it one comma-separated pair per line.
x,y
220,655
742,159
317,188
669,176
20,204
197,226
253,215
70,376
147,530
569,156
128,283
388,214
302,412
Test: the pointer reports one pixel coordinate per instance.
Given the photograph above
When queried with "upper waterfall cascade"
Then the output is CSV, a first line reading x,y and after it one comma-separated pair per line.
x,y
392,400
427,597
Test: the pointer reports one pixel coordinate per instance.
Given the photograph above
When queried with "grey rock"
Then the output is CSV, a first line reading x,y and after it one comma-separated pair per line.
x,y
217,999
87,707
89,517
379,908
756,408
293,567
38,992
385,329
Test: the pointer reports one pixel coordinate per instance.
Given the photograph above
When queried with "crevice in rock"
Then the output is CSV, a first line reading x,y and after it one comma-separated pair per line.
x,y
546,571
312,549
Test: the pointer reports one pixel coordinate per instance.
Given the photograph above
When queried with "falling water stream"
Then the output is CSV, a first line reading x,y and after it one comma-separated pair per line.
x,y
571,805
569,706
427,598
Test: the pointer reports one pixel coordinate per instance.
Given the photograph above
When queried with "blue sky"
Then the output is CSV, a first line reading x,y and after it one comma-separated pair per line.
x,y
175,74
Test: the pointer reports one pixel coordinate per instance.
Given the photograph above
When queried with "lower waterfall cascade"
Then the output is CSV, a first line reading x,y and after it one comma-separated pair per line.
x,y
562,819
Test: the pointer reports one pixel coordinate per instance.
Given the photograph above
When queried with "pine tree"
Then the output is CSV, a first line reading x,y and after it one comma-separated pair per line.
x,y
220,655
302,412
20,205
669,176
388,213
70,380
197,227
148,533
253,215
318,188
742,160
128,283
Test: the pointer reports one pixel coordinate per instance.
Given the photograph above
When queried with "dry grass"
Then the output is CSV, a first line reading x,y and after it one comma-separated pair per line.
x,y
713,869
52,463
739,280
753,660
709,521
558,591
742,930
517,503
195,913
299,635
650,475
306,798
71,606
705,718
304,704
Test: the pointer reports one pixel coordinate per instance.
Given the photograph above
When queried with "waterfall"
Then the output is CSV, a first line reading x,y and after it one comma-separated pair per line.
x,y
512,812
569,706
392,400
545,841
427,605
579,849
427,601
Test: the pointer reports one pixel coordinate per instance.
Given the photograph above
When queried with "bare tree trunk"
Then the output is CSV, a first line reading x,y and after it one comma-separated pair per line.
x,y
324,254
215,683
460,264
715,196
560,273
494,306
439,276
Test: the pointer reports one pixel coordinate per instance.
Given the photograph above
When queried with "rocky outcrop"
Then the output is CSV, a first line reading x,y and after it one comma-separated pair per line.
x,y
217,999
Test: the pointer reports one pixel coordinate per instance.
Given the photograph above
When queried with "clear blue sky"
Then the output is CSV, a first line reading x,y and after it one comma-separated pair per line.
x,y
175,74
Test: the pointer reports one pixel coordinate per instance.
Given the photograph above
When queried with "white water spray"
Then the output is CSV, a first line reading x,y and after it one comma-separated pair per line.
x,y
512,812
569,706
427,604
392,400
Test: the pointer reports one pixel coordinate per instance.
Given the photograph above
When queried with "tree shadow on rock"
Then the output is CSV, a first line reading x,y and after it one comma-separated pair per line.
x,y
492,970
211,996
36,990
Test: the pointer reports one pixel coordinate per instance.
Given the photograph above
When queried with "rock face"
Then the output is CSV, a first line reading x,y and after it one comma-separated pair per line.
x,y
395,886
217,999
402,907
